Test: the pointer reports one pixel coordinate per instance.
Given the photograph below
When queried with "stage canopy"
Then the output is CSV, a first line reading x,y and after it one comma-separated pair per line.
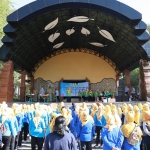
x,y
45,28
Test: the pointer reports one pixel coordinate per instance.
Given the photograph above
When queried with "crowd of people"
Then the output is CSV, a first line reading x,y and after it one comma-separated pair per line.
x,y
60,128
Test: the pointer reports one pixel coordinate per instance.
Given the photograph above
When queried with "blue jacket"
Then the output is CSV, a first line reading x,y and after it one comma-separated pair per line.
x,y
43,116
112,139
128,146
14,120
87,132
48,130
10,129
19,118
56,142
101,122
27,116
37,131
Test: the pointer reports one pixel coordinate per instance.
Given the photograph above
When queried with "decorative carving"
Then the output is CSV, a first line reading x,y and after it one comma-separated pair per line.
x,y
105,84
49,87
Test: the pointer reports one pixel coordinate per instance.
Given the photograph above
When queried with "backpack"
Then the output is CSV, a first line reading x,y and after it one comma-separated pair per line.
x,y
2,128
134,137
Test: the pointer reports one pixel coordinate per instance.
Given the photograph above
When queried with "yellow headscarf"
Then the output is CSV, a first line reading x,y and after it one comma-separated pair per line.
x,y
119,111
60,106
84,106
37,118
94,109
64,112
124,110
84,118
137,115
52,122
145,107
100,112
130,125
116,117
107,111
130,107
146,116
124,104
140,106
110,122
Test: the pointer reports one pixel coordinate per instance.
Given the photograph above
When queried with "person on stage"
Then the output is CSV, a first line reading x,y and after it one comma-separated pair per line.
x,y
90,95
86,94
41,92
100,94
69,93
96,95
80,95
57,94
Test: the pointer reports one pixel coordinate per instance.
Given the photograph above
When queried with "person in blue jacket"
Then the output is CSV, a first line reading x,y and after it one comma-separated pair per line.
x,y
19,118
112,135
85,131
100,122
37,131
27,117
15,126
10,130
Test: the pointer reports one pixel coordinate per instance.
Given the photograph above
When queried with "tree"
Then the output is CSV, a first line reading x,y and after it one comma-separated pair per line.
x,y
134,78
6,7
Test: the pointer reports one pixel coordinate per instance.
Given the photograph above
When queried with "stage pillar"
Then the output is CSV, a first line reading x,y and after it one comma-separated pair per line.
x,y
22,86
32,84
7,82
127,74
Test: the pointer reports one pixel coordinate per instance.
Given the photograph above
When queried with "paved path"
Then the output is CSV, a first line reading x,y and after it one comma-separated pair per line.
x,y
27,146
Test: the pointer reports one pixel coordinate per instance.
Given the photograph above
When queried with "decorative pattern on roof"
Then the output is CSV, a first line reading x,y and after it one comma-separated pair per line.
x,y
42,28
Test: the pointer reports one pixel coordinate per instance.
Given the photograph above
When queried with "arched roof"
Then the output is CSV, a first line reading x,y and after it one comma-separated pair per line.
x,y
28,43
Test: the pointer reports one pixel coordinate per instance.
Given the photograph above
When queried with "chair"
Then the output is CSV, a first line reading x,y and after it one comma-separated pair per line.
x,y
55,98
31,99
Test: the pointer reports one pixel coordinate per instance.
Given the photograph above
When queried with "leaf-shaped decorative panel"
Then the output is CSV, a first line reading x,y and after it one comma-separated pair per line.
x,y
53,37
58,45
97,44
106,34
70,31
51,25
85,31
80,19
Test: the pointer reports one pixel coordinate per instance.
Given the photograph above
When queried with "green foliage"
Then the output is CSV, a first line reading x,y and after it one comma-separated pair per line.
x,y
6,7
16,78
134,78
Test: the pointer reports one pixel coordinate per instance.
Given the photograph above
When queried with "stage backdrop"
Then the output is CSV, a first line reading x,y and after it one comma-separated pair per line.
x,y
74,88
75,66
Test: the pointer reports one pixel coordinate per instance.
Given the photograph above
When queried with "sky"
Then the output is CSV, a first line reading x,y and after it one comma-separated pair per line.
x,y
143,6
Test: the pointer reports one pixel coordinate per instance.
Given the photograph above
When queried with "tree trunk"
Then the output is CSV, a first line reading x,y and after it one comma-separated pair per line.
x,y
142,83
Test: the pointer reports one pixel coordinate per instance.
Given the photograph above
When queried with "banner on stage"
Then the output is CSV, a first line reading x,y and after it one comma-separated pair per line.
x,y
72,89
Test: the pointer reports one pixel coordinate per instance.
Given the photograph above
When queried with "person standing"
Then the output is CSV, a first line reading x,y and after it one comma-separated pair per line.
x,y
86,94
57,94
37,131
112,135
60,138
100,122
41,92
85,131
126,90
